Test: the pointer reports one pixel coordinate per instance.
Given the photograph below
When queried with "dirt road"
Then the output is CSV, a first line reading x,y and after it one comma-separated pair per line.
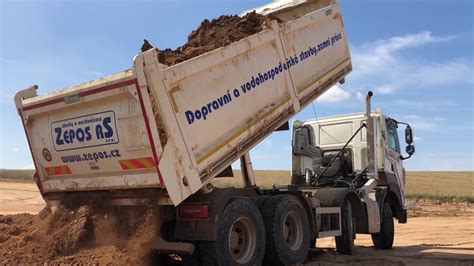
x,y
436,234
422,241
19,197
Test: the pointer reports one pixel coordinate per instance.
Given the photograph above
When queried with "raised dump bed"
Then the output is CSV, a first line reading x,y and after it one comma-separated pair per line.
x,y
179,126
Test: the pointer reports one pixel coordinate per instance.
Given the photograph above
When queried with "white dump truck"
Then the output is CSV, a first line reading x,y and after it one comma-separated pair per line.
x,y
170,130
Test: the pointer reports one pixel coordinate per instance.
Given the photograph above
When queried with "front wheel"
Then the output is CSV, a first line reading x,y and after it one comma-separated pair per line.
x,y
345,242
240,238
384,239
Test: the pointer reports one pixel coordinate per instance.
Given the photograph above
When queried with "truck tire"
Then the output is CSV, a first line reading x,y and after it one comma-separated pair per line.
x,y
384,239
345,242
260,201
240,236
287,230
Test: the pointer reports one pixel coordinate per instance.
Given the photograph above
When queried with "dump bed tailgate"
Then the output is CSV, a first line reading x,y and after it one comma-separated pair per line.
x,y
94,136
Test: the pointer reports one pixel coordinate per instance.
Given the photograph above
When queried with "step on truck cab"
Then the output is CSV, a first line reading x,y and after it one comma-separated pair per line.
x,y
168,131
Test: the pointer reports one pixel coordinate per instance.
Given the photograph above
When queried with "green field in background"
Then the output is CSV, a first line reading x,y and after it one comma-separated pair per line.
x,y
428,185
443,186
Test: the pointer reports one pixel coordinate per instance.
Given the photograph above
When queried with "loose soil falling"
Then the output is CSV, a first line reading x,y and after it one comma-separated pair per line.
x,y
79,231
213,34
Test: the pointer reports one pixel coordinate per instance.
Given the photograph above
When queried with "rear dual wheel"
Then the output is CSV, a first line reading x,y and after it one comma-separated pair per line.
x,y
287,230
240,238
243,237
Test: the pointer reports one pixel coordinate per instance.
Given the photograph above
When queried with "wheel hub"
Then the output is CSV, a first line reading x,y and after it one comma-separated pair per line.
x,y
242,240
293,230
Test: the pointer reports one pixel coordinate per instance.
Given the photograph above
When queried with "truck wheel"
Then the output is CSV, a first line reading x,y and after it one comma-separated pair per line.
x,y
345,242
260,201
287,230
384,239
240,238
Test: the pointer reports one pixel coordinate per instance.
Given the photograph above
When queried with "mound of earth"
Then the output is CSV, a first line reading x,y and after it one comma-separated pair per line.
x,y
85,233
213,34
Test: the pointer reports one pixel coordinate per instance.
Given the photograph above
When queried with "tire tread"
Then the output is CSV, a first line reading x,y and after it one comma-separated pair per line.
x,y
345,242
384,239
270,212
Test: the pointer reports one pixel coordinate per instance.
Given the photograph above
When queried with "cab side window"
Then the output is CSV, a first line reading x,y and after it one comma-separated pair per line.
x,y
392,137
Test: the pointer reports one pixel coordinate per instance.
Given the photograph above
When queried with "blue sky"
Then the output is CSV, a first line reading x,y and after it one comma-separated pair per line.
x,y
417,56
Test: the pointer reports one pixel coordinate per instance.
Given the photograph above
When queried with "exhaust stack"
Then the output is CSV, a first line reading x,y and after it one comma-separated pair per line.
x,y
371,128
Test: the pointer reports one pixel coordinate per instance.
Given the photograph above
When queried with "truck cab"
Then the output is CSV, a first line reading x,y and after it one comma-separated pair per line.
x,y
318,142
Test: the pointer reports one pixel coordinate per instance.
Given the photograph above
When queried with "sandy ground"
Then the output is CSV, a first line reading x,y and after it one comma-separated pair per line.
x,y
436,234
20,197
422,241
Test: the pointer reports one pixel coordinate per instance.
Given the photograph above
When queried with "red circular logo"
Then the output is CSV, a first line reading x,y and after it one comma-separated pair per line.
x,y
46,155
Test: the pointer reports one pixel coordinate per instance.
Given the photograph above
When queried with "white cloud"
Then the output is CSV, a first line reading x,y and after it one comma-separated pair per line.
x,y
420,123
12,61
359,96
381,52
436,123
444,73
14,149
334,95
423,125
381,65
427,106
416,138
387,47
412,116
385,89
28,167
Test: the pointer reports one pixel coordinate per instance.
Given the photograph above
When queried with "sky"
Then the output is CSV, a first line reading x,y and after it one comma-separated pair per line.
x,y
417,56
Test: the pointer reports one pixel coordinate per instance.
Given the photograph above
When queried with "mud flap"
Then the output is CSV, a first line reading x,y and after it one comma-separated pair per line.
x,y
172,247
402,216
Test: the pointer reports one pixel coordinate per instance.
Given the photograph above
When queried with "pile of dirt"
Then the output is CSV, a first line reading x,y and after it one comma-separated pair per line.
x,y
210,35
79,232
213,34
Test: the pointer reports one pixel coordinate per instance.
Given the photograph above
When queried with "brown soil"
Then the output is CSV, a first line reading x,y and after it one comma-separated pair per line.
x,y
79,231
213,34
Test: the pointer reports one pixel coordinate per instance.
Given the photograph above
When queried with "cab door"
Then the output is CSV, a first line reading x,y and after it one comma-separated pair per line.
x,y
393,162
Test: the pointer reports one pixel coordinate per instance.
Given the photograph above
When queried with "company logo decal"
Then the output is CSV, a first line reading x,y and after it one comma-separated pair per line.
x,y
85,131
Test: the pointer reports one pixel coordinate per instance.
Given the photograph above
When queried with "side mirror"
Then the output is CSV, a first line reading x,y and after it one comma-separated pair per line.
x,y
302,144
408,135
410,149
